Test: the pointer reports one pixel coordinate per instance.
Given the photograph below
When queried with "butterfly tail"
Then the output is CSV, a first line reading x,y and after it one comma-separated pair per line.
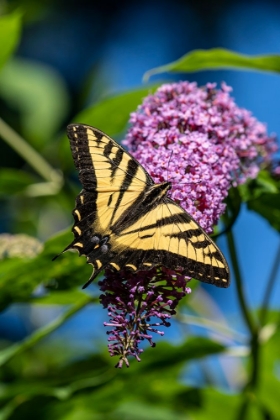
x,y
71,246
93,276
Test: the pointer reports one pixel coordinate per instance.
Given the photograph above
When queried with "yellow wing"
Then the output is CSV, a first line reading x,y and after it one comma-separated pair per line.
x,y
112,180
168,236
106,170
124,220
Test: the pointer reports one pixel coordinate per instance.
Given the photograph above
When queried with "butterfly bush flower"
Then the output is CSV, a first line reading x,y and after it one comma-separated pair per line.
x,y
19,246
134,301
201,141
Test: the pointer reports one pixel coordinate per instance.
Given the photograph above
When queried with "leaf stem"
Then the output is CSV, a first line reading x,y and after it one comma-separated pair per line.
x,y
216,327
14,350
239,283
253,327
29,154
269,288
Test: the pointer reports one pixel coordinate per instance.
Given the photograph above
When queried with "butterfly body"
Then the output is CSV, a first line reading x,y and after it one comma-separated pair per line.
x,y
123,220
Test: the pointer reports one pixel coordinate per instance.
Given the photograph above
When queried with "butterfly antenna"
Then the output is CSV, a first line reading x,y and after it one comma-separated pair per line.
x,y
168,164
190,182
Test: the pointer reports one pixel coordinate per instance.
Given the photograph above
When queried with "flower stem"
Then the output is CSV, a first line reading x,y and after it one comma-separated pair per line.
x,y
239,284
269,288
253,378
219,329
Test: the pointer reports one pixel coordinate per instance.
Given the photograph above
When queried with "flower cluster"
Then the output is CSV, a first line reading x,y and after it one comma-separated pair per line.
x,y
19,246
134,302
202,142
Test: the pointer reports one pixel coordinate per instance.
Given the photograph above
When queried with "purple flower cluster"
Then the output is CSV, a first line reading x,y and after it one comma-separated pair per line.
x,y
202,142
134,303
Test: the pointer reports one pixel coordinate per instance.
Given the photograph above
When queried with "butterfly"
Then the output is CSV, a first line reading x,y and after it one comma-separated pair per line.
x,y
123,220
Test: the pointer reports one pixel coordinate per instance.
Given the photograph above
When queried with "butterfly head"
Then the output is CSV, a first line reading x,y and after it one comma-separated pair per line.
x,y
156,192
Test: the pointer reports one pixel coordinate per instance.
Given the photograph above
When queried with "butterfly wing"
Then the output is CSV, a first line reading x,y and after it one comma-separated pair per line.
x,y
113,227
103,165
169,236
113,181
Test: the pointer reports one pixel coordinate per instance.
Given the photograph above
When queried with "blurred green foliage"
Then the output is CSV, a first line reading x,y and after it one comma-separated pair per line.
x,y
218,58
43,379
10,27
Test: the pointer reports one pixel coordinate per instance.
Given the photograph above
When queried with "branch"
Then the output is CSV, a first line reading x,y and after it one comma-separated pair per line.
x,y
30,155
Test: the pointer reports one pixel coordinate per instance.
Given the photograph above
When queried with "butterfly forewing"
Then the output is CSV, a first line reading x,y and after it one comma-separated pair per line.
x,y
112,182
102,163
123,220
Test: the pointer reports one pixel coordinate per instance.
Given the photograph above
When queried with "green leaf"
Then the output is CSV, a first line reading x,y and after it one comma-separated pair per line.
x,y
254,188
215,405
267,182
93,382
67,272
16,282
262,195
269,378
218,58
10,26
136,410
15,349
193,348
14,181
19,277
268,206
218,405
111,114
39,94
59,297
57,243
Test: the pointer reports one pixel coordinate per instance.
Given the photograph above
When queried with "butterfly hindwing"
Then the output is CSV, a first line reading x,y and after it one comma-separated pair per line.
x,y
123,220
169,236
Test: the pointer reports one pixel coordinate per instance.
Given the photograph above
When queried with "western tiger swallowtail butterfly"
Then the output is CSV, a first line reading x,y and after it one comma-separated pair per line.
x,y
123,220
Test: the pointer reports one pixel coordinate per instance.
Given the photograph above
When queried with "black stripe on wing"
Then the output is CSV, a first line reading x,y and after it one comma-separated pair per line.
x,y
78,136
194,269
115,162
130,173
165,221
82,158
